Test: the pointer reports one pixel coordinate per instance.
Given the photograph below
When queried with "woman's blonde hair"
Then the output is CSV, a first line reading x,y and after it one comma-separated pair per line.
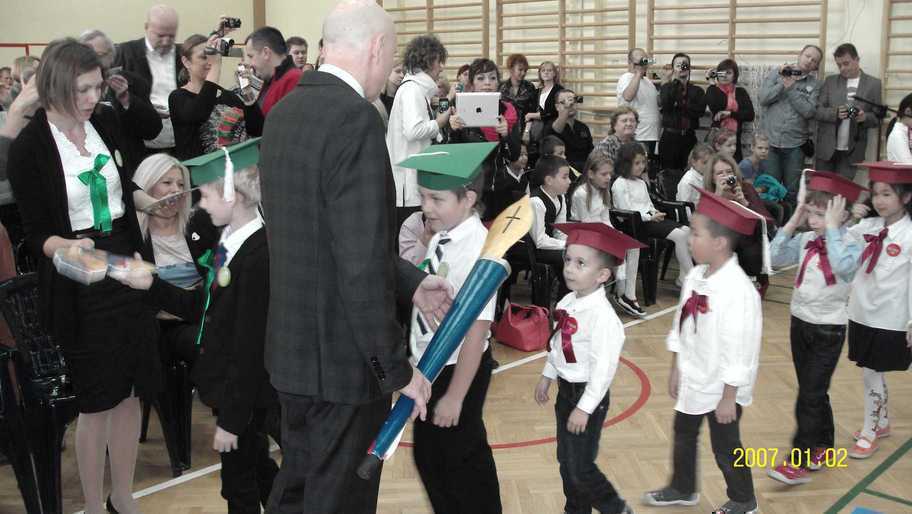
x,y
148,173
709,179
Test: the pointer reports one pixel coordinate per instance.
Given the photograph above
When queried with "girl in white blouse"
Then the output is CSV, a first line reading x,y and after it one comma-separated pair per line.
x,y
630,192
899,140
591,203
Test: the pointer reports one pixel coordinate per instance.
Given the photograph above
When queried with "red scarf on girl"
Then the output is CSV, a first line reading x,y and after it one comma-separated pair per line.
x,y
730,123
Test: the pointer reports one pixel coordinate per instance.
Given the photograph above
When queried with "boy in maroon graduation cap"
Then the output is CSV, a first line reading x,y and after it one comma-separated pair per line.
x,y
715,341
819,315
583,358
880,307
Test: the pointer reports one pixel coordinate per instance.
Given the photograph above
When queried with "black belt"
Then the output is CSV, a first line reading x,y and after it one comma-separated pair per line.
x,y
680,132
117,226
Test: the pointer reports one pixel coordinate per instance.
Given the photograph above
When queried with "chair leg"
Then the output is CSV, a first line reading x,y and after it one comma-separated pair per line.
x,y
649,275
19,453
667,251
183,410
144,427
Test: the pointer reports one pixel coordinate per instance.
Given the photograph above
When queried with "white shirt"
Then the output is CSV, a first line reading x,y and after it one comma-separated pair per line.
x,y
687,191
411,130
597,345
723,346
543,97
344,76
460,254
880,299
234,240
539,236
79,199
631,194
899,149
646,103
845,126
164,81
814,301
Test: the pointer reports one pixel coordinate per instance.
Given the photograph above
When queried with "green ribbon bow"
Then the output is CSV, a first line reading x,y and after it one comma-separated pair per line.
x,y
98,190
207,261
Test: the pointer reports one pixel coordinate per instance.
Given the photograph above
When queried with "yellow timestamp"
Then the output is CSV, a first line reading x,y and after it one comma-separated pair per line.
x,y
769,457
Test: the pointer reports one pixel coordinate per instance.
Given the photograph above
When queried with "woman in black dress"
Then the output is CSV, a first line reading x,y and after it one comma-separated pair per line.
x,y
106,331
205,115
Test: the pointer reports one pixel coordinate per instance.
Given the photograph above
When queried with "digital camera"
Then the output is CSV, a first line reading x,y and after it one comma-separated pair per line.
x,y
223,47
788,71
231,23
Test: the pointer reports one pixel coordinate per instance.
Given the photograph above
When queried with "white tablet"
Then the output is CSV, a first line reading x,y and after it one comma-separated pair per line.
x,y
478,109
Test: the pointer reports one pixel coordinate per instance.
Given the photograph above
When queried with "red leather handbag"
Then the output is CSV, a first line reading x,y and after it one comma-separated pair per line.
x,y
524,327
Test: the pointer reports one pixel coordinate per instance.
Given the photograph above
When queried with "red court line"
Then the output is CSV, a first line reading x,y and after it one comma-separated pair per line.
x,y
645,391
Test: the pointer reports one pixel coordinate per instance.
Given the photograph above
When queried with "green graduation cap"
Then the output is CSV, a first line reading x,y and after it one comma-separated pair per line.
x,y
444,167
211,167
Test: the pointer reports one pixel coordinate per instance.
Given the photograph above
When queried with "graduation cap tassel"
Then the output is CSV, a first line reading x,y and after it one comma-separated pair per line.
x,y
228,190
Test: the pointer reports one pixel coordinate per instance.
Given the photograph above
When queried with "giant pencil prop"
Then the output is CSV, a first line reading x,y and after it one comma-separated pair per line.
x,y
482,283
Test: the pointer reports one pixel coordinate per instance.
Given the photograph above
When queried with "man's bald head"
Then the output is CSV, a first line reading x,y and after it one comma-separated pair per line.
x,y
161,27
359,37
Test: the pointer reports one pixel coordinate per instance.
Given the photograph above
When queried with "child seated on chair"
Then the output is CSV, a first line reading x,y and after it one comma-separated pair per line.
x,y
549,207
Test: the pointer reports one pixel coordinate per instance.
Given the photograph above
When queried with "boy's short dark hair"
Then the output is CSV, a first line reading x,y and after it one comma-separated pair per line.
x,y
549,166
477,186
269,37
295,41
549,143
717,229
844,49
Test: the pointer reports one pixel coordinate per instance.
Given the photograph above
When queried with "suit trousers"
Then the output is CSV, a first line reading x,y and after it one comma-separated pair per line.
x,y
322,445
725,439
455,463
674,149
585,486
839,162
815,353
248,472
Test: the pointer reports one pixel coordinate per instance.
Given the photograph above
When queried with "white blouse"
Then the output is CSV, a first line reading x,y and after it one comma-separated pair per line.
x,y
899,148
79,200
632,194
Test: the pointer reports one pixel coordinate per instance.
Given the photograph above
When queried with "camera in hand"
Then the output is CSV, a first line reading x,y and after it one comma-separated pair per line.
x,y
645,61
223,47
684,66
731,181
713,74
788,71
443,105
852,112
579,99
231,23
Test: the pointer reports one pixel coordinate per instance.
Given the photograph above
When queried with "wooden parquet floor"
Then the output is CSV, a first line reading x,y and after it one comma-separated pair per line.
x,y
635,451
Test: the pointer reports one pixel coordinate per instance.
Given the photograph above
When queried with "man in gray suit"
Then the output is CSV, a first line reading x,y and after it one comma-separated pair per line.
x,y
842,120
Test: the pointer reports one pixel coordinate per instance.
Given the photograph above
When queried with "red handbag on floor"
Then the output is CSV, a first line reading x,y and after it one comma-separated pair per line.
x,y
524,327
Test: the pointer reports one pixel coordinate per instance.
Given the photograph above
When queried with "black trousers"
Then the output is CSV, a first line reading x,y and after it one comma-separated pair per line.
x,y
322,445
456,464
815,353
248,472
674,149
724,439
585,486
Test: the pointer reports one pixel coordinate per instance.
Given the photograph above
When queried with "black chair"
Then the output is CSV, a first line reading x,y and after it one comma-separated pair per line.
x,y
14,440
541,276
675,211
48,399
630,223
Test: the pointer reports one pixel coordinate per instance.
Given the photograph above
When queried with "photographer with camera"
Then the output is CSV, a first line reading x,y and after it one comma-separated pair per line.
x,y
267,56
788,96
843,122
205,115
682,104
729,104
635,90
413,124
574,133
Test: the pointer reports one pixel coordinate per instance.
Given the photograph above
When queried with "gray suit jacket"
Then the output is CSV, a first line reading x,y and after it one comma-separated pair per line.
x,y
833,95
335,275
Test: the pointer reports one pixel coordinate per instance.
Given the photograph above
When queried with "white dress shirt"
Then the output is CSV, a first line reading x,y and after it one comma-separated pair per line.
x,y
631,194
164,81
814,301
723,346
79,199
539,236
344,76
459,254
844,130
646,103
232,241
687,191
597,346
899,148
411,130
881,299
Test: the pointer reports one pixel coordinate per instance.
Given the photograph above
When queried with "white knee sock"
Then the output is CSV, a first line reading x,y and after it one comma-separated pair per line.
x,y
632,264
682,251
875,402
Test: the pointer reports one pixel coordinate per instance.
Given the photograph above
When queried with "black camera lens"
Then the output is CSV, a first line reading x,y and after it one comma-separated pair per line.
x,y
579,99
731,181
231,23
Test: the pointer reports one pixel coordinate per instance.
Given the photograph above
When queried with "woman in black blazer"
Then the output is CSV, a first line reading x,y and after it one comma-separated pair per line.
x,y
730,105
106,331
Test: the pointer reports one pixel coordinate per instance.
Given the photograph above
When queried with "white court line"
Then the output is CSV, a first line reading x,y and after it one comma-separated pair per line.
x,y
525,360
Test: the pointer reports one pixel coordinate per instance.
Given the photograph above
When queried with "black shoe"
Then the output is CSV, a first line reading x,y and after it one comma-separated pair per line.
x,y
669,496
110,506
629,306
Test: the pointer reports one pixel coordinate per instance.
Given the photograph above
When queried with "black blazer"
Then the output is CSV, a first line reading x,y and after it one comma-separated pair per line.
x,y
200,234
550,110
229,372
335,273
139,122
36,176
131,55
717,101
